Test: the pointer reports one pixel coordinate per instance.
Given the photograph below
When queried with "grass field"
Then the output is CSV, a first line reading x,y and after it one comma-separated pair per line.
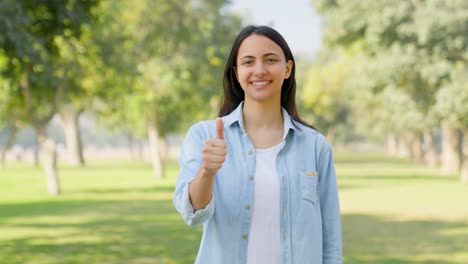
x,y
116,212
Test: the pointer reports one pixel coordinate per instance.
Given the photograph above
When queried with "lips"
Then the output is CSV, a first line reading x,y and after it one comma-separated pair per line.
x,y
259,83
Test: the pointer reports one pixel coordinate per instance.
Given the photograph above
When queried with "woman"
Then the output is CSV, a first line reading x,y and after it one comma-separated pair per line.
x,y
260,180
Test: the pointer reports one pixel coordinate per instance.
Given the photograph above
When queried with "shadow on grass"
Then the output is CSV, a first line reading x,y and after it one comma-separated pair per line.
x,y
139,231
402,178
122,190
367,181
369,158
372,239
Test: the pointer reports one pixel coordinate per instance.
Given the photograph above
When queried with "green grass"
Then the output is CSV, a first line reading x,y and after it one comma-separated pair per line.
x,y
117,212
394,211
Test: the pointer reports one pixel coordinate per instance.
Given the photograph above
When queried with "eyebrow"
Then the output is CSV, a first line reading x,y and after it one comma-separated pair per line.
x,y
264,55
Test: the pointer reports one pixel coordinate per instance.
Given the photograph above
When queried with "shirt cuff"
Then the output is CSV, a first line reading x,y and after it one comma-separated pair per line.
x,y
199,216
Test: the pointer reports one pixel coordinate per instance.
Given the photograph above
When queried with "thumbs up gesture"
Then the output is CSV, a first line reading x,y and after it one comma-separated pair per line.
x,y
214,150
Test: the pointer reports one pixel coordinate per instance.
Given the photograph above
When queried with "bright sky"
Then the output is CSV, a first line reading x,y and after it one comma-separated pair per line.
x,y
296,20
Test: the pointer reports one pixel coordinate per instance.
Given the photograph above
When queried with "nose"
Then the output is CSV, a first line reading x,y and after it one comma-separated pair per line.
x,y
259,69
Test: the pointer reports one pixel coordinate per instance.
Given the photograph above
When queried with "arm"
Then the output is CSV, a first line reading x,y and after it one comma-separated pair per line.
x,y
199,163
201,189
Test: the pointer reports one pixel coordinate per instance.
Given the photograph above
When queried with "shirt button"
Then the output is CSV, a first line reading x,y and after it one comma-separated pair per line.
x,y
250,152
242,132
247,206
251,177
244,236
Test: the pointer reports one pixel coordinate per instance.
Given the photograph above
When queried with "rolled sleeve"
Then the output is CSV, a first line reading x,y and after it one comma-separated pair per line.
x,y
192,217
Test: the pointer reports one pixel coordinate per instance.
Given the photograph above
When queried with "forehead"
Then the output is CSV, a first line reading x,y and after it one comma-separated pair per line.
x,y
258,45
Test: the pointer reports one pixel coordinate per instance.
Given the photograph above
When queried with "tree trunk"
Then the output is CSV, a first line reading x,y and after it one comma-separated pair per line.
x,y
431,157
153,136
392,145
49,157
417,153
9,142
131,146
36,151
464,169
72,135
403,148
465,141
451,148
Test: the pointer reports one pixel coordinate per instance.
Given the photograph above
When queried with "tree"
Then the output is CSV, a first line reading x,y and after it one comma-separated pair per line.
x,y
425,39
325,95
179,47
452,102
100,69
35,80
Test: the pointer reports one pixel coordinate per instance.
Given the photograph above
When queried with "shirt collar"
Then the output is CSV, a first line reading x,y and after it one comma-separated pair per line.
x,y
236,116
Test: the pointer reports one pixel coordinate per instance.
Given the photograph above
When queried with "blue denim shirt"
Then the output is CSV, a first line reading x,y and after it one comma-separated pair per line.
x,y
310,224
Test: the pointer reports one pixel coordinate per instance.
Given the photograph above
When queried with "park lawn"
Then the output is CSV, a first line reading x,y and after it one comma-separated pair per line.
x,y
117,212
394,211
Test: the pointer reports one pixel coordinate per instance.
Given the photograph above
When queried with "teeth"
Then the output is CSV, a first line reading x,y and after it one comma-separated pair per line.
x,y
260,83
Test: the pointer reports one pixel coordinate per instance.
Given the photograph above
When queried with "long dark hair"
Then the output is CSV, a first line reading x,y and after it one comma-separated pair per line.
x,y
233,93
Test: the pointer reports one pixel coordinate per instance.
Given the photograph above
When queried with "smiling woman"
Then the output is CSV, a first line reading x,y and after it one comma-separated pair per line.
x,y
262,68
260,180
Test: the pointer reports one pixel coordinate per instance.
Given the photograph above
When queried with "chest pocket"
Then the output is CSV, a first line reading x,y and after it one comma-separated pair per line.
x,y
309,181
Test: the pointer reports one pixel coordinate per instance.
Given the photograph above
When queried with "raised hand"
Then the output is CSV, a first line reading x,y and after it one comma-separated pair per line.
x,y
214,150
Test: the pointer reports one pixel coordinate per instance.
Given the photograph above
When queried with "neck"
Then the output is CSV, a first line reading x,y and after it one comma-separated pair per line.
x,y
258,115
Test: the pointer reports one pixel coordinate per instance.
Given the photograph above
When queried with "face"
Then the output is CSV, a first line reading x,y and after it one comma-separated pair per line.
x,y
261,69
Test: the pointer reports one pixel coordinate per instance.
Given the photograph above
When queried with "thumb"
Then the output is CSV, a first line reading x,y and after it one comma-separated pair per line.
x,y
219,128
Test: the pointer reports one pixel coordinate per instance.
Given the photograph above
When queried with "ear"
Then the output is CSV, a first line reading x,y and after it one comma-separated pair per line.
x,y
289,66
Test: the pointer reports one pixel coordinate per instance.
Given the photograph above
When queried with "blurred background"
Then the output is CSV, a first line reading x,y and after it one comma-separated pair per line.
x,y
97,95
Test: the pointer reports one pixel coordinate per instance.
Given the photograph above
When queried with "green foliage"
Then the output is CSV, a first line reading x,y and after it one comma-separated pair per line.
x,y
32,34
29,28
109,70
325,95
452,99
177,49
130,61
388,95
398,118
408,51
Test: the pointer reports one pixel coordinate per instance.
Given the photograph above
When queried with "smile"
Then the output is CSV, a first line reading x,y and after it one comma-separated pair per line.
x,y
260,82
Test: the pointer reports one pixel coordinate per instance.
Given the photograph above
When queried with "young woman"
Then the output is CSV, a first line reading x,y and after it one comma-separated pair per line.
x,y
260,180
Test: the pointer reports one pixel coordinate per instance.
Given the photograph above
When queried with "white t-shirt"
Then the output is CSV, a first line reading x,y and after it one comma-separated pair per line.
x,y
264,239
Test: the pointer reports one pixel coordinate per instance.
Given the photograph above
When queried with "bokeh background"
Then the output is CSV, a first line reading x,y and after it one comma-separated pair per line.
x,y
96,96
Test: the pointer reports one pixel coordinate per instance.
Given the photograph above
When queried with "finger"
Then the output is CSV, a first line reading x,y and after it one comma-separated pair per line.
x,y
214,142
210,158
219,151
219,128
214,167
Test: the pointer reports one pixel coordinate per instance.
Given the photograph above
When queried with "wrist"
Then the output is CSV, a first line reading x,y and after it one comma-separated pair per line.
x,y
206,174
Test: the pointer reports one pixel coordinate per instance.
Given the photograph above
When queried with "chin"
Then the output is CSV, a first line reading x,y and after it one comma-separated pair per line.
x,y
262,98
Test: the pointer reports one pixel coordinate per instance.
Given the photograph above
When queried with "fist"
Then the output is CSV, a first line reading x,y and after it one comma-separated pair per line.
x,y
214,150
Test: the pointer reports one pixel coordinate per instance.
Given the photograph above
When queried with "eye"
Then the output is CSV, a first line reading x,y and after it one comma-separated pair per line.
x,y
247,62
271,60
